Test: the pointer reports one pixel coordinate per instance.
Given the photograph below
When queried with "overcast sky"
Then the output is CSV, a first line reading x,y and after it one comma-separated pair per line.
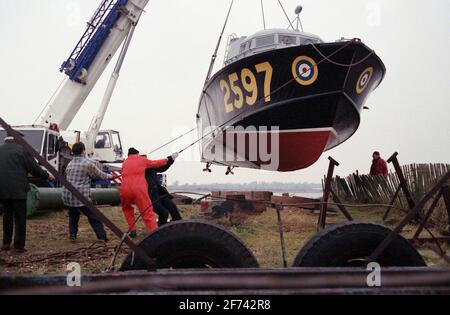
x,y
158,92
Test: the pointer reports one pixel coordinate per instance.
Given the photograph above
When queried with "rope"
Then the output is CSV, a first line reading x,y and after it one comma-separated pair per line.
x,y
173,140
287,16
214,56
349,65
263,15
95,251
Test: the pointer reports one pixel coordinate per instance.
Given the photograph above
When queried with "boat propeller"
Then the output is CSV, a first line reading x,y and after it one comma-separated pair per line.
x,y
208,168
230,170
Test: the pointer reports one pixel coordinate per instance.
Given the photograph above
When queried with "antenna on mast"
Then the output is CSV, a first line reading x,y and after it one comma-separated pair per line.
x,y
298,11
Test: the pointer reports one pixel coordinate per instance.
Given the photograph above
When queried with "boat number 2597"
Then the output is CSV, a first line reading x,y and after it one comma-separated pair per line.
x,y
242,88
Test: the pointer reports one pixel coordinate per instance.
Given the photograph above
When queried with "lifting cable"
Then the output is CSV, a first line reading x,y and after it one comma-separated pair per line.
x,y
208,75
263,14
285,13
173,140
219,41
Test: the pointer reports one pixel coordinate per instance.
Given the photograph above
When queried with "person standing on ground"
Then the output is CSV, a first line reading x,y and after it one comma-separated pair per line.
x,y
80,172
161,198
15,165
379,166
134,190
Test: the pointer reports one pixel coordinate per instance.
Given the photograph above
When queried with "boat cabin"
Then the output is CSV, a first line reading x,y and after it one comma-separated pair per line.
x,y
241,47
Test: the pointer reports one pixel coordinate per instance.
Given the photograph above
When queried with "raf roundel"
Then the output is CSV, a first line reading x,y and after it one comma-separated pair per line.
x,y
305,70
364,80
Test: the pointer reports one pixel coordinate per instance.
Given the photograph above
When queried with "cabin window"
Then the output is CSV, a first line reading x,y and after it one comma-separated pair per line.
x,y
51,147
287,40
265,41
103,141
117,143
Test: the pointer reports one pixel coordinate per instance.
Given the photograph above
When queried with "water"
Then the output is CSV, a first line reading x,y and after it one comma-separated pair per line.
x,y
314,195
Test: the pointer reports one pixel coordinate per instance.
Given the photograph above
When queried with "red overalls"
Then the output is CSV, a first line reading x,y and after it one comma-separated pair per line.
x,y
134,189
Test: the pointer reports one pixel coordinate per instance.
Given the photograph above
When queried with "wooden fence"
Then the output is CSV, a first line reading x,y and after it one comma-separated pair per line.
x,y
379,189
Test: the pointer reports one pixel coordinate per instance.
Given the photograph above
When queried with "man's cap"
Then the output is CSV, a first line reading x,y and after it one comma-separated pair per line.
x,y
133,151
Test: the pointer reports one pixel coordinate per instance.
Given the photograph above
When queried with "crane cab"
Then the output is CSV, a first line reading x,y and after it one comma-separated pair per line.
x,y
48,143
55,147
108,147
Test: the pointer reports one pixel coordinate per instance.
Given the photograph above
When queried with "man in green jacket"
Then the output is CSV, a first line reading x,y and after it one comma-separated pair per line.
x,y
15,165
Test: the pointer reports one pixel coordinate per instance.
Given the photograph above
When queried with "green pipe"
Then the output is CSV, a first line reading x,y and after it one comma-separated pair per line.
x,y
40,198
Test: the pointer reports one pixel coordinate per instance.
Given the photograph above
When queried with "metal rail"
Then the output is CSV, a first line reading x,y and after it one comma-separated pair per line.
x,y
245,281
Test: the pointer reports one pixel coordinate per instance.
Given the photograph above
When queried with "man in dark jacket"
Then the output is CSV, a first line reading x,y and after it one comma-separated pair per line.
x,y
161,198
15,165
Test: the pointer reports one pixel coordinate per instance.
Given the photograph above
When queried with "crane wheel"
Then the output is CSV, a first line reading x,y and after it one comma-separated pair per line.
x,y
349,244
193,245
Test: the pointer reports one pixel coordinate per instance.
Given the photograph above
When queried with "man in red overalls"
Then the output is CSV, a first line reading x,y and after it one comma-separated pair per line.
x,y
134,190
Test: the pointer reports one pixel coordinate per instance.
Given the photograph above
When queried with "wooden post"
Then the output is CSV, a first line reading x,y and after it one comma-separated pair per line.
x,y
403,184
326,193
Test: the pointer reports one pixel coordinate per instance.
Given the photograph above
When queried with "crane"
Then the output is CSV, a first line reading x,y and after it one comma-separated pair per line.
x,y
111,27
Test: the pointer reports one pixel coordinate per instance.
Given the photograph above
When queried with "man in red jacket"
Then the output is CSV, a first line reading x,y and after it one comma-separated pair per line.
x,y
379,166
134,190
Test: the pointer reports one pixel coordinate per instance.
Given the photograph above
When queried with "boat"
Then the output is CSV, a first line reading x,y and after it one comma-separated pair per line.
x,y
283,98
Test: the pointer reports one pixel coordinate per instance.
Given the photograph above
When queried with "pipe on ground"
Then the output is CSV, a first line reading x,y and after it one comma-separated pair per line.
x,y
40,198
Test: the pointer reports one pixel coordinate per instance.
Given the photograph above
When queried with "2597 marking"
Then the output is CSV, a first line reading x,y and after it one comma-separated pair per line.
x,y
247,80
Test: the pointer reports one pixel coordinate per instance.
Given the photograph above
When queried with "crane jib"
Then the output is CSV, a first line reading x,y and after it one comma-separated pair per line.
x,y
92,40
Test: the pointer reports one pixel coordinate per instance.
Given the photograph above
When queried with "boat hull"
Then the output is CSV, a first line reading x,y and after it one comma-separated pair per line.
x,y
289,105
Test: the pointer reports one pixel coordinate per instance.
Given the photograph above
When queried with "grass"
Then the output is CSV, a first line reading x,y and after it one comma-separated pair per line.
x,y
48,234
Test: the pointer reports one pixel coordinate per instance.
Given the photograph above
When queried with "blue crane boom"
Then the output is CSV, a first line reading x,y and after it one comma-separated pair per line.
x,y
93,39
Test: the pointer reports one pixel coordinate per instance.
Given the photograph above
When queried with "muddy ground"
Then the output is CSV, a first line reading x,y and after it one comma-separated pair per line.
x,y
50,250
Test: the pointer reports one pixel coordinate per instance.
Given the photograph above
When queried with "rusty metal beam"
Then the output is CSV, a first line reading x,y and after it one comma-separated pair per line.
x,y
258,281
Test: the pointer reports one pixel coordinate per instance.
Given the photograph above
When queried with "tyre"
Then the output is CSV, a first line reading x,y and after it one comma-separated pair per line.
x,y
350,243
192,245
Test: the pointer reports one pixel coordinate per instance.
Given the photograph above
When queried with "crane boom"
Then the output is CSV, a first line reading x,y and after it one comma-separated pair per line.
x,y
106,32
